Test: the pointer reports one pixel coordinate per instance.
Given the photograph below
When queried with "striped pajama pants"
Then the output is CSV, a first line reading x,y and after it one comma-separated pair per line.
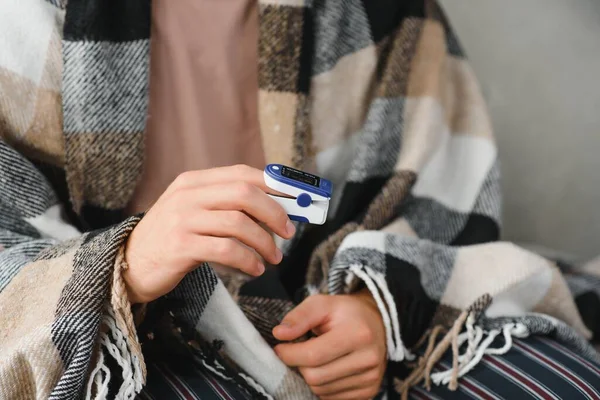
x,y
534,368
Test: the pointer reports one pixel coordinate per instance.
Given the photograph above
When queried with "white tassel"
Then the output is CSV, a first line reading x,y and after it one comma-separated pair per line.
x,y
445,376
97,387
256,386
396,349
517,330
468,362
465,358
137,374
382,285
217,368
348,279
214,370
471,336
483,349
116,344
117,347
384,314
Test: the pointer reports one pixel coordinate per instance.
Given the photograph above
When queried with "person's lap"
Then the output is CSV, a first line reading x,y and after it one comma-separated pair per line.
x,y
171,381
536,368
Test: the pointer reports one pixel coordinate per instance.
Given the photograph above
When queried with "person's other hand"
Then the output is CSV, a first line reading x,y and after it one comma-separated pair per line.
x,y
204,216
347,359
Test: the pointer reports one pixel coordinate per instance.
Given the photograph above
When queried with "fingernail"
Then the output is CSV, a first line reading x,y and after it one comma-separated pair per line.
x,y
261,268
290,228
278,255
285,324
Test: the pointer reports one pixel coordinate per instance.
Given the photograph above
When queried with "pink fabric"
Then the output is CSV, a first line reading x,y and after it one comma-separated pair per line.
x,y
203,110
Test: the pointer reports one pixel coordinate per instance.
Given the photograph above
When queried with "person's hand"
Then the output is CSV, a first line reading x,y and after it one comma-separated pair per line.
x,y
204,216
347,359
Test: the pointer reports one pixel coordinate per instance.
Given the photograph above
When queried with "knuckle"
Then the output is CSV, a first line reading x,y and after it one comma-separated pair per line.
x,y
311,377
237,218
245,190
241,169
223,248
372,377
312,357
318,390
183,179
372,359
365,335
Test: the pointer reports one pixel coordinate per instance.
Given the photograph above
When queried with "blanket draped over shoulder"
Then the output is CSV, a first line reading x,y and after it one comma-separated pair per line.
x,y
375,95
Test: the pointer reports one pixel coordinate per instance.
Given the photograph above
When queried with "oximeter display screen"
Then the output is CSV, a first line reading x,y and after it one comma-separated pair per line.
x,y
300,176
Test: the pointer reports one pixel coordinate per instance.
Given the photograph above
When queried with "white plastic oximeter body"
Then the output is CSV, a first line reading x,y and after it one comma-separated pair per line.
x,y
310,194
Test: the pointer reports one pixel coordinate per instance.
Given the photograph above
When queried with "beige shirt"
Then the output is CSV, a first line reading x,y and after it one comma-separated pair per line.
x,y
203,110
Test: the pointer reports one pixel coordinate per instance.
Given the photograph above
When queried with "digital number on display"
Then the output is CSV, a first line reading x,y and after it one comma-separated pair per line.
x,y
300,176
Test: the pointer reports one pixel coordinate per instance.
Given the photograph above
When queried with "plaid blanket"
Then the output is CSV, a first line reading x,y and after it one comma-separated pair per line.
x,y
375,95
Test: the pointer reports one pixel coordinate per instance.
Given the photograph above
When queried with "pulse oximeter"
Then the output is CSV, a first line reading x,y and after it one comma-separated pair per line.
x,y
310,194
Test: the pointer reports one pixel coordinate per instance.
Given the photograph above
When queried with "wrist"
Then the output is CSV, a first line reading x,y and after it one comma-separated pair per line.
x,y
129,274
376,314
366,297
132,295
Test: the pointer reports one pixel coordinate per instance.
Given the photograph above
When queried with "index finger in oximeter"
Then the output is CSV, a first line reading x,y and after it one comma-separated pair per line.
x,y
310,193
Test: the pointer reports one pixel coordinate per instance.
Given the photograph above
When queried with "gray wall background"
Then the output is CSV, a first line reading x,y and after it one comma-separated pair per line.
x,y
538,62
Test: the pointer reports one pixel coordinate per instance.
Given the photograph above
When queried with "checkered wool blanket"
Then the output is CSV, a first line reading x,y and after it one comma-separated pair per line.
x,y
375,95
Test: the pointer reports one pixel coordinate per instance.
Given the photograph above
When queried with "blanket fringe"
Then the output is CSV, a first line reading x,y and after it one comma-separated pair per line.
x,y
256,386
451,339
117,346
99,379
387,306
219,371
477,347
418,373
468,363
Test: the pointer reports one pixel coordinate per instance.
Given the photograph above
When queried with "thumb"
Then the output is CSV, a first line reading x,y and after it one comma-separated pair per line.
x,y
308,315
